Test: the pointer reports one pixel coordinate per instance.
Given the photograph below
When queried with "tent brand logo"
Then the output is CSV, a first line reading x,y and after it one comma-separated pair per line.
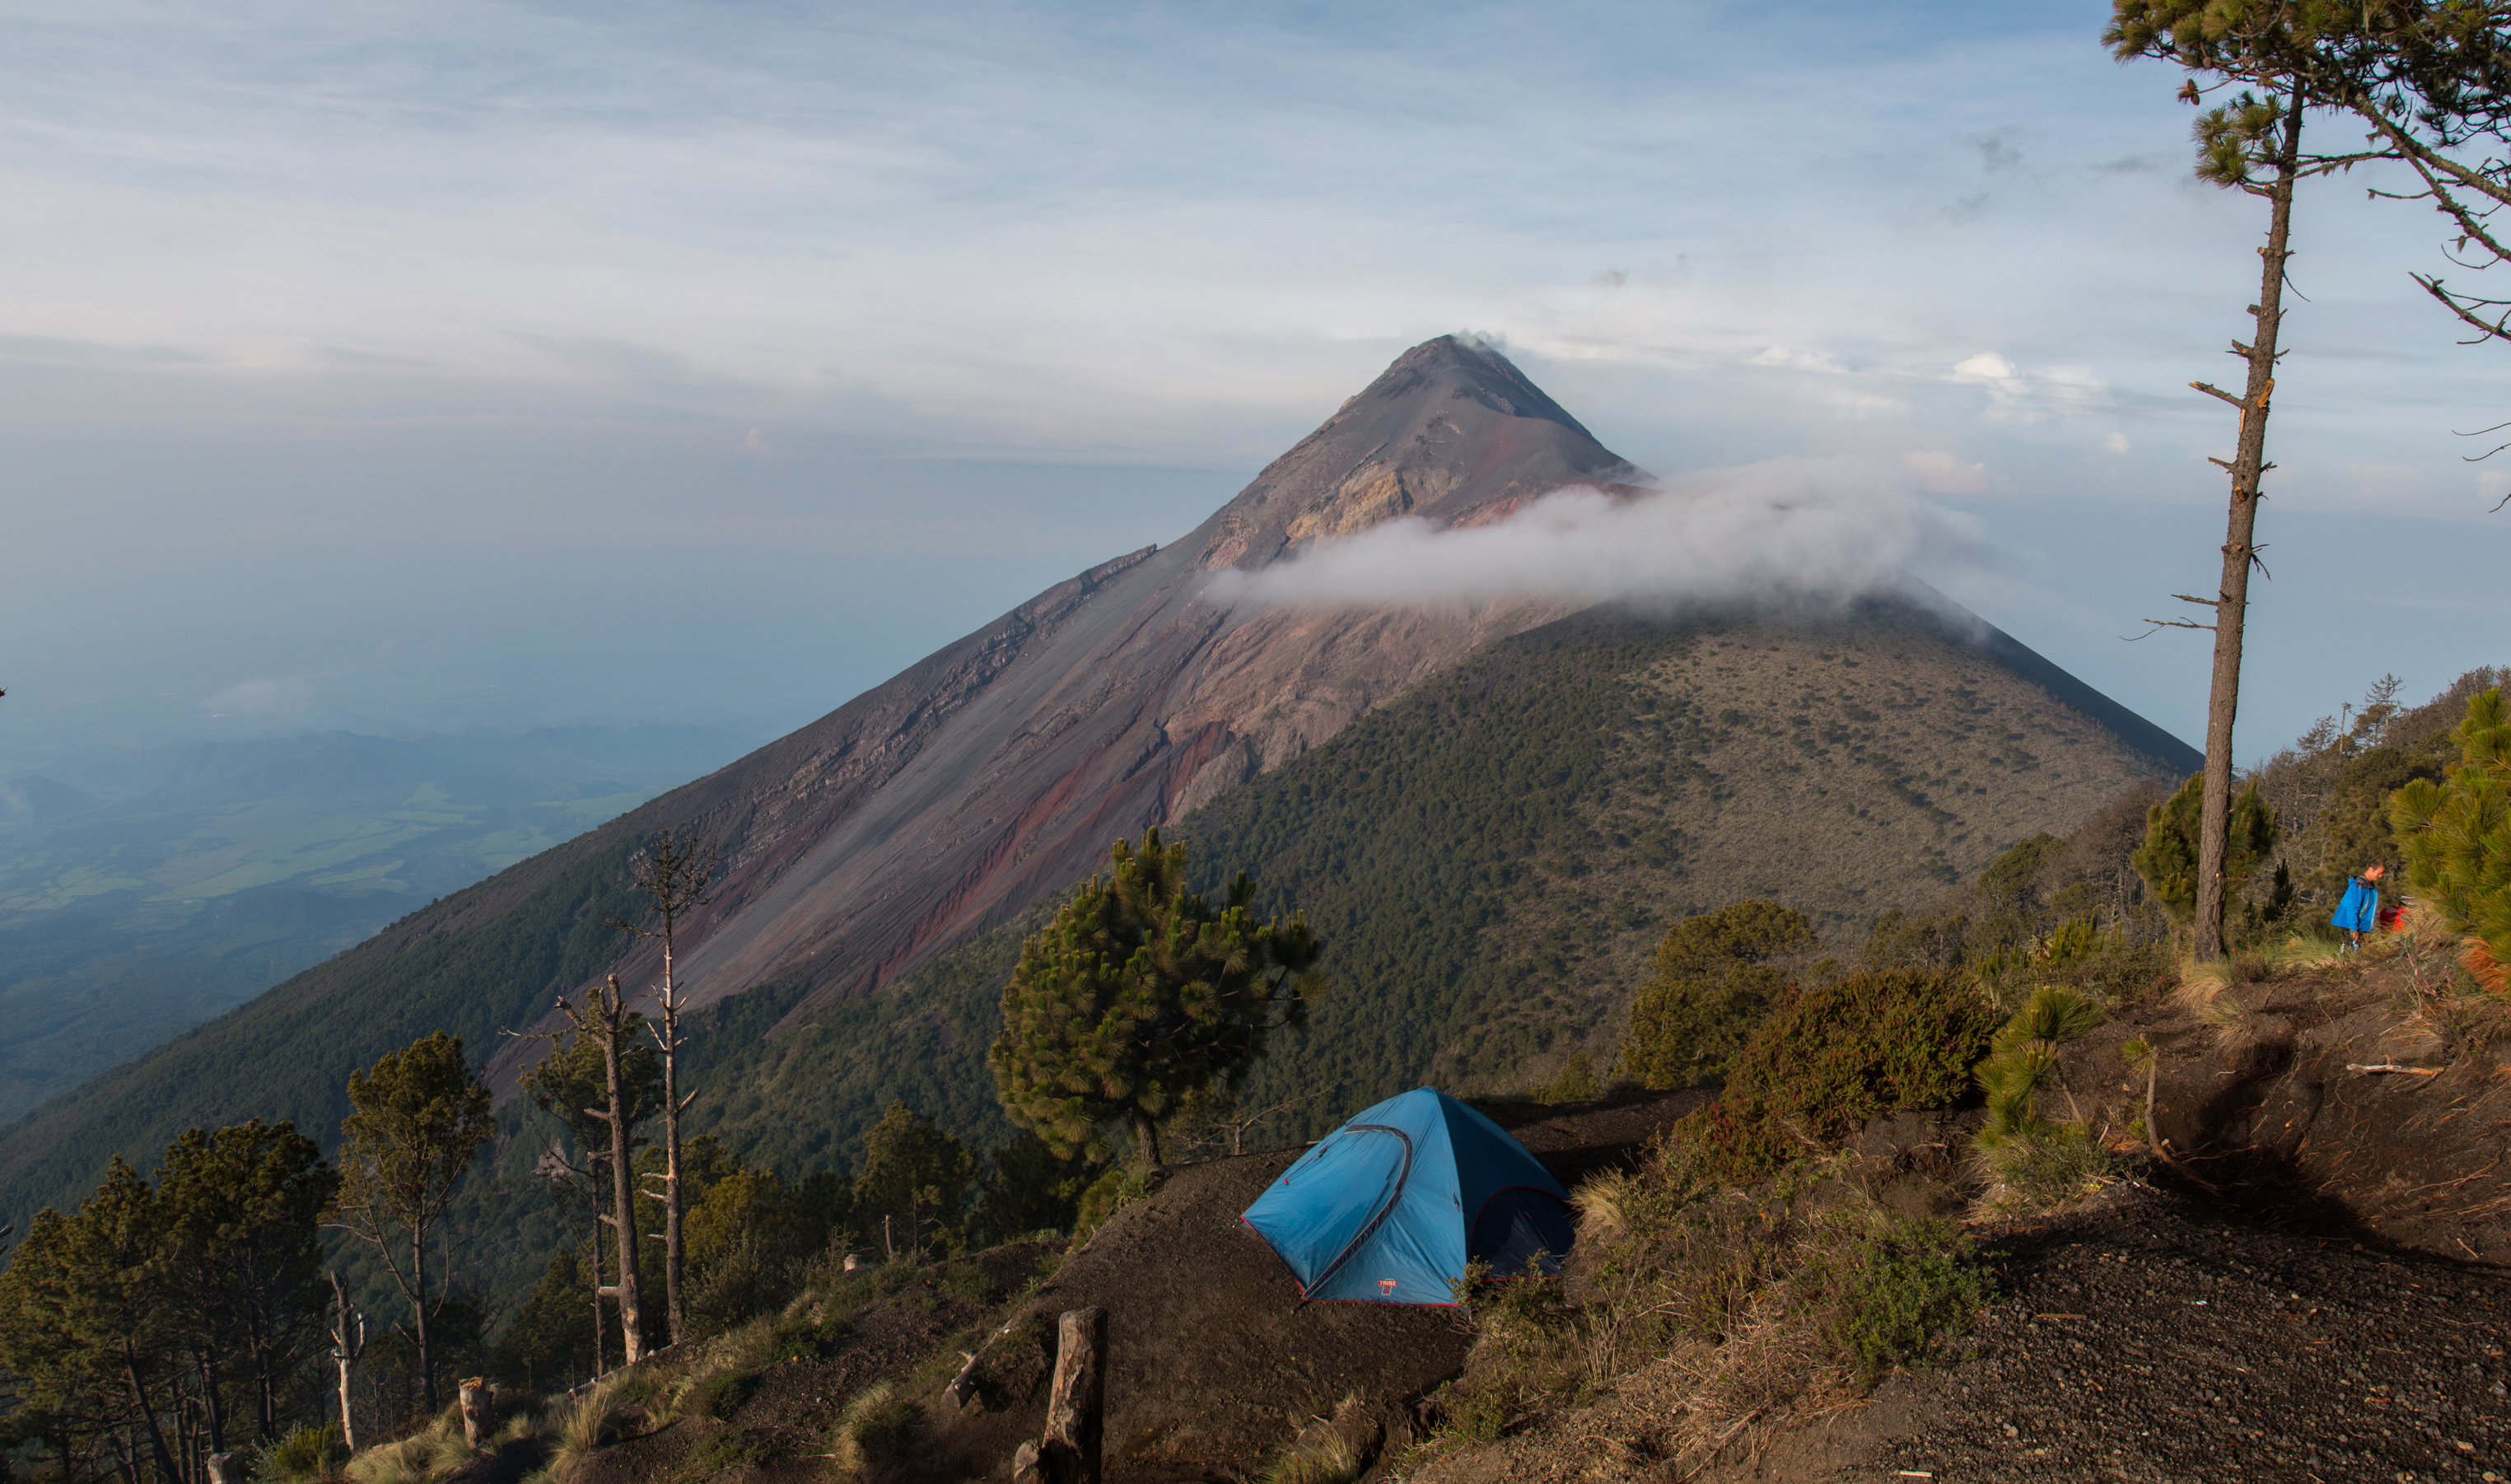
x,y
1386,1286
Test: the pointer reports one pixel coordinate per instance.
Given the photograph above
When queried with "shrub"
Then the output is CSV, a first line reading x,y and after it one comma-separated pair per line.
x,y
1837,1055
2168,858
1576,1082
1713,980
2038,1161
721,1394
2457,839
307,1452
726,1450
875,1430
1914,1286
1120,1186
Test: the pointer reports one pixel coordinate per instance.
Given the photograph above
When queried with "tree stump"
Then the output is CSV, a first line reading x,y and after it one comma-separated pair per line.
x,y
224,1470
478,1411
1076,1403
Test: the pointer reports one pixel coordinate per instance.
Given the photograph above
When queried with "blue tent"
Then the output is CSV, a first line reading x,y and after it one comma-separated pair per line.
x,y
1391,1206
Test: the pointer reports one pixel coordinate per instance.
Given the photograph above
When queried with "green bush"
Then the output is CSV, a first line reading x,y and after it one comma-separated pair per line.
x,y
1915,1286
2168,858
1714,980
2456,838
1837,1055
2038,1161
726,1450
1113,1191
721,1394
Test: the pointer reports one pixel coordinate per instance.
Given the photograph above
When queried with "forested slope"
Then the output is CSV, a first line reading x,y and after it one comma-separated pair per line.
x,y
1489,860
1490,857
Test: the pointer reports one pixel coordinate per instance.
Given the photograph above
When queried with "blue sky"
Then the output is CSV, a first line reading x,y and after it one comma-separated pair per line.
x,y
463,364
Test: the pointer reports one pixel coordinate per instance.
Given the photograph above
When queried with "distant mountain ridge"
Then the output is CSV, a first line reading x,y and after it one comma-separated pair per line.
x,y
973,786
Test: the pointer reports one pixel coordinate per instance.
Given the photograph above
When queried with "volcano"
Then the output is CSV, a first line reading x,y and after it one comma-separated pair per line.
x,y
994,773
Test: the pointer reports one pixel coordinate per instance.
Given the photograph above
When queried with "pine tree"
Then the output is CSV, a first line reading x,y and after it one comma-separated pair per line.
x,y
243,1208
1140,992
2457,839
415,1123
605,1021
915,1177
676,873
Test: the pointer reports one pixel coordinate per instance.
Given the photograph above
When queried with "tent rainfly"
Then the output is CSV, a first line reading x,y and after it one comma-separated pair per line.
x,y
1390,1207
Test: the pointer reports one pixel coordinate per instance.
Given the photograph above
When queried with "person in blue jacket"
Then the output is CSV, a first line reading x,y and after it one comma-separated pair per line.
x,y
2360,911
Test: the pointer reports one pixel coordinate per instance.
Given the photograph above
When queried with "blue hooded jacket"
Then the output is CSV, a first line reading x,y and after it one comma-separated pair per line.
x,y
2360,911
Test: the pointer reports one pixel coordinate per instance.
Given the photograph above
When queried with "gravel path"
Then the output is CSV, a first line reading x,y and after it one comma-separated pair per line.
x,y
2150,1339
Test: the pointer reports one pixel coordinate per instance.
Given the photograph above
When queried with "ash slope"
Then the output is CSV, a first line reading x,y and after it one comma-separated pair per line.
x,y
981,782
949,799
1491,858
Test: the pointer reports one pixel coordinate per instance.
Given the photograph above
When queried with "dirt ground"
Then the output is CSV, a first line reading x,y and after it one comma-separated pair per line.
x,y
2328,1298
2143,1339
1179,1269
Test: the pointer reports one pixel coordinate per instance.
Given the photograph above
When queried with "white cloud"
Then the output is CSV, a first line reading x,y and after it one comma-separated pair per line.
x,y
1938,472
2030,396
1794,359
1789,530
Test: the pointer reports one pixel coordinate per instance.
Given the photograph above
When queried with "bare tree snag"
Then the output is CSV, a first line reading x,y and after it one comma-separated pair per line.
x,y
604,1017
676,873
348,1343
2240,550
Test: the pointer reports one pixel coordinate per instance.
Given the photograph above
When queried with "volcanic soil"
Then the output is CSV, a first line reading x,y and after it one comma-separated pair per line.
x,y
1214,1362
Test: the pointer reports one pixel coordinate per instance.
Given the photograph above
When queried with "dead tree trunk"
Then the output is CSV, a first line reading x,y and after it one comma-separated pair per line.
x,y
1075,1406
348,1343
676,873
2240,553
611,1016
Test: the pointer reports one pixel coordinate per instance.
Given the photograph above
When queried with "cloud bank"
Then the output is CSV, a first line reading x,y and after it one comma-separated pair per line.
x,y
1787,532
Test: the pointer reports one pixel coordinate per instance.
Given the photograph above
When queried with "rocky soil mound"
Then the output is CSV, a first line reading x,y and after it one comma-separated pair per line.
x,y
1214,1364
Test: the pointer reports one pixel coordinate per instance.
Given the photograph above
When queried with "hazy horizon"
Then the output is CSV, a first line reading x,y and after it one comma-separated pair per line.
x,y
493,366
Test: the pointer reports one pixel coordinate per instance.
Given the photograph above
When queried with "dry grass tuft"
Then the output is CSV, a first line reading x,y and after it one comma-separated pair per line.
x,y
586,1423
412,1460
1598,1199
875,1430
1323,1456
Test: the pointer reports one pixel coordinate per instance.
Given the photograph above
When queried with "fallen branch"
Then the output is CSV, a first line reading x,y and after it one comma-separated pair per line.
x,y
1723,1438
2421,1071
